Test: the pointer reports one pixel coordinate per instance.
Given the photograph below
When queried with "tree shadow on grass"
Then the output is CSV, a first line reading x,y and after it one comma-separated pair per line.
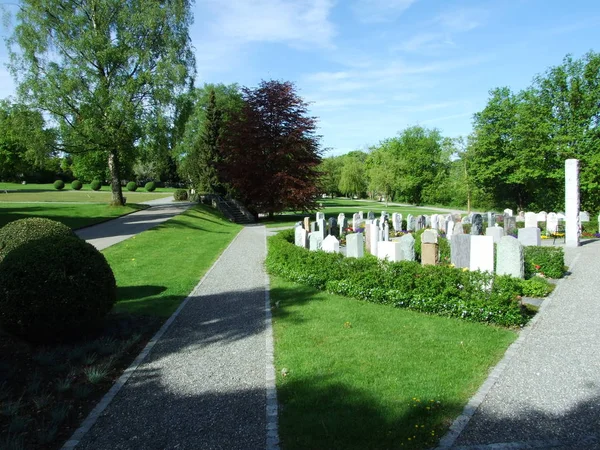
x,y
135,292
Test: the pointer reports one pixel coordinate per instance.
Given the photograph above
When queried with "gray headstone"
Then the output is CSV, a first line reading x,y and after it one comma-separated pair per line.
x,y
300,238
460,250
435,221
510,260
551,223
496,232
427,221
477,225
332,226
510,223
355,245
429,237
320,215
407,244
343,226
370,215
531,220
315,241
584,216
491,219
411,223
458,228
386,232
530,236
330,244
421,223
313,227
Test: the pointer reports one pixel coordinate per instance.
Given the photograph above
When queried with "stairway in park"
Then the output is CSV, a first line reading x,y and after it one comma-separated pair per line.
x,y
233,210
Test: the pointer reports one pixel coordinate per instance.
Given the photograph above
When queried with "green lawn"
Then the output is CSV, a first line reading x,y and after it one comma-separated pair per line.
x,y
157,269
354,375
76,196
333,207
49,187
74,215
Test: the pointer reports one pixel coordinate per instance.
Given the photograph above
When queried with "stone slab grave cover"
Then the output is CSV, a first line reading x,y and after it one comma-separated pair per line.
x,y
482,253
584,216
390,250
477,225
510,259
496,232
531,220
460,250
355,245
330,244
530,236
552,223
300,237
315,241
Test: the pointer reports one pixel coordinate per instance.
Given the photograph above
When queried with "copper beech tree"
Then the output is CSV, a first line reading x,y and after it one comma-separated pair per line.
x,y
271,151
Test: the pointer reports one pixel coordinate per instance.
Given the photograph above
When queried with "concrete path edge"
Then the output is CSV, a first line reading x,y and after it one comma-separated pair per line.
x,y
93,416
461,421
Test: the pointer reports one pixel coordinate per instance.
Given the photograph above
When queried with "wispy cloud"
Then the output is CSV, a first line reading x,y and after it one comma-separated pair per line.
x,y
370,11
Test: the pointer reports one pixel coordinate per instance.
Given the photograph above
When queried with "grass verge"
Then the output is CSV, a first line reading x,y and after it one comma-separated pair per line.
x,y
76,196
74,215
46,391
86,187
354,375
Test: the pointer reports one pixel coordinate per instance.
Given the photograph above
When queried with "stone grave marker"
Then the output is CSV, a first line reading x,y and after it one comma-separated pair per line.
x,y
386,231
552,223
313,227
460,250
530,236
410,223
354,245
510,259
360,214
330,244
343,225
477,225
450,229
584,216
531,220
390,250
542,216
370,215
332,226
434,221
429,237
300,237
467,219
407,246
482,253
458,228
508,212
510,223
340,217
427,221
307,224
496,232
320,216
315,241
421,223
491,218
521,216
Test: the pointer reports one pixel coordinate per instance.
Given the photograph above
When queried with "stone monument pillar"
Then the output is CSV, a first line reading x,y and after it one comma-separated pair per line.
x,y
572,203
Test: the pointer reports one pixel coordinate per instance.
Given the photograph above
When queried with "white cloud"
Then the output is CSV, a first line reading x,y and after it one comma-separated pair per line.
x,y
370,11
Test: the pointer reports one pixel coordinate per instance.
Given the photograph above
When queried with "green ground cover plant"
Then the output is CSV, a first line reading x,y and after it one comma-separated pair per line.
x,y
356,375
74,215
548,261
47,390
441,290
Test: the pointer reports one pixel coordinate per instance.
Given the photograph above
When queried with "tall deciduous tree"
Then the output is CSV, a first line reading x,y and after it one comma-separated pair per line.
x,y
103,69
272,152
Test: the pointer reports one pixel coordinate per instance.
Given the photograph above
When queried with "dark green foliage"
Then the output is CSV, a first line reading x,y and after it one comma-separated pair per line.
x,y
150,186
59,185
132,186
549,261
536,287
76,185
438,290
54,288
96,185
21,231
180,195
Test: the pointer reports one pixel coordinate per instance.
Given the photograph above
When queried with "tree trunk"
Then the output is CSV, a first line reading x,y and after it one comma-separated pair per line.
x,y
115,179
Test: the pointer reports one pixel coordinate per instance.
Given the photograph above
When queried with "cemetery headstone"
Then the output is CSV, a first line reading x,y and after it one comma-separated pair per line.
x,y
354,245
330,244
421,223
313,227
530,236
482,253
386,231
407,246
374,239
434,221
390,250
477,225
521,216
450,229
510,223
429,237
370,215
307,224
410,223
343,224
427,221
332,226
552,223
320,216
542,216
491,219
531,220
584,216
340,217
467,219
301,237
496,232
429,254
508,212
458,228
315,241
510,259
360,215
355,220
460,250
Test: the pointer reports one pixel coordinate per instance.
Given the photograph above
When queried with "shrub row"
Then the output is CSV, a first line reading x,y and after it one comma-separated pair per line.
x,y
549,261
96,185
440,290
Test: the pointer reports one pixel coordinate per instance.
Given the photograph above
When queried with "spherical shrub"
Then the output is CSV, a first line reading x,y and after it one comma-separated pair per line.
x,y
180,195
150,186
55,288
131,186
76,184
19,232
96,185
59,184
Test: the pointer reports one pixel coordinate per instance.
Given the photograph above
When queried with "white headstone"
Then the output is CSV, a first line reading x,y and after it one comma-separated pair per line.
x,y
429,237
508,212
572,202
530,236
435,221
373,236
541,216
449,229
341,217
354,245
390,250
482,253
300,238
315,240
330,245
552,223
355,220
386,231
510,257
496,232
584,216
320,216
531,219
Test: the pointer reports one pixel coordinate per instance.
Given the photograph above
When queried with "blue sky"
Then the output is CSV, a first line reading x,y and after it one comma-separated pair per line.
x,y
371,68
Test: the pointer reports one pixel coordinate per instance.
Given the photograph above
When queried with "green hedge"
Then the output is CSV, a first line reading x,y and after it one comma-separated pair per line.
x,y
131,186
549,261
440,290
180,195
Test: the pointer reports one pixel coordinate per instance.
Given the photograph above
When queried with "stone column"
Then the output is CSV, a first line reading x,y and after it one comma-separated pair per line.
x,y
572,203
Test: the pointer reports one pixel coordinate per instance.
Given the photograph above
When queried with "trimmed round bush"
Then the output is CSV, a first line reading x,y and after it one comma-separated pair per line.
x,y
150,186
180,195
96,185
59,185
55,288
131,186
19,232
76,184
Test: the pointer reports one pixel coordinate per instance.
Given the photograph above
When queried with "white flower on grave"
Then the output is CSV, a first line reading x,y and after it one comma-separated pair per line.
x,y
284,372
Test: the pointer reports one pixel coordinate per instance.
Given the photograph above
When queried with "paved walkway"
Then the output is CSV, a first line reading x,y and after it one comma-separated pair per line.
x,y
545,393
109,233
208,381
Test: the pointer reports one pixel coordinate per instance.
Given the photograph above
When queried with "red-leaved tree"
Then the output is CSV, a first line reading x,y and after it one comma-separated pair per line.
x,y
271,151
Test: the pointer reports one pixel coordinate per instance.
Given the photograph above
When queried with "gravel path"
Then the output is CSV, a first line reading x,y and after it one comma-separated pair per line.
x,y
208,381
105,234
547,391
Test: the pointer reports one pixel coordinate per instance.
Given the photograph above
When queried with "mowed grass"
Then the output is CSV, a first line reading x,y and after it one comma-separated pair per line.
x,y
50,187
355,375
74,215
76,196
333,207
158,268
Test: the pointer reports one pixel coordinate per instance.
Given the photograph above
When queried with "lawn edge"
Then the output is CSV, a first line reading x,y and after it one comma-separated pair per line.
x,y
93,416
